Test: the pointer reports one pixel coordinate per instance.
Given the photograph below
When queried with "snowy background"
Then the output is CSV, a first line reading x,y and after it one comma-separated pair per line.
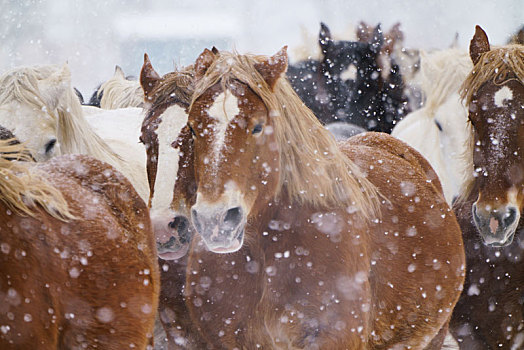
x,y
94,36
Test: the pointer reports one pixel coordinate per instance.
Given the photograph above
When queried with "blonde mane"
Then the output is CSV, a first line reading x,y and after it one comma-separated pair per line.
x,y
498,66
313,170
121,93
74,133
21,189
175,87
443,72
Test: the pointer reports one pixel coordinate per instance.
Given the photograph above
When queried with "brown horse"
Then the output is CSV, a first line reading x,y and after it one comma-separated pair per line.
x,y
489,314
78,264
313,254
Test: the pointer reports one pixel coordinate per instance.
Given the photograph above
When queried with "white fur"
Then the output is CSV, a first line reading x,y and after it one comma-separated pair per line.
x,y
442,75
172,122
223,110
503,94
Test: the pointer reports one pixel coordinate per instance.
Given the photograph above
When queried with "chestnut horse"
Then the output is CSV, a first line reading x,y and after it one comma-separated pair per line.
x,y
489,314
316,256
78,263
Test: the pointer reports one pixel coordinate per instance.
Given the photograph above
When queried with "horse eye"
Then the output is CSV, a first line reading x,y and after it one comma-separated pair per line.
x,y
257,128
438,125
49,146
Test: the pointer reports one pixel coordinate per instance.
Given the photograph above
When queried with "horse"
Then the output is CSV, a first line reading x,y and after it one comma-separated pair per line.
x,y
305,261
78,262
439,129
366,101
39,105
489,312
118,92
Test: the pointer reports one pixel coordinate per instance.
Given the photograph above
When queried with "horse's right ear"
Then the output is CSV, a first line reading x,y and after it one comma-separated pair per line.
x,y
324,38
204,61
478,45
148,77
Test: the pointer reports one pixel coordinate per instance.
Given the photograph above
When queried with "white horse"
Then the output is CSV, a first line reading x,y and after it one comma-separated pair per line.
x,y
118,92
439,129
39,106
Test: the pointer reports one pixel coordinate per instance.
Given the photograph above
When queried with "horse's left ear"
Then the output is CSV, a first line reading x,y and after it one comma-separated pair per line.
x,y
273,68
478,45
119,72
53,87
378,39
148,77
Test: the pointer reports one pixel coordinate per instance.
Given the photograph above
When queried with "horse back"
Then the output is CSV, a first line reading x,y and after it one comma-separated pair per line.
x,y
92,280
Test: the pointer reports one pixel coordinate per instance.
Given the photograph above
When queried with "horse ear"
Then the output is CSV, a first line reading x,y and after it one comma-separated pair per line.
x,y
478,45
53,87
148,77
203,62
273,68
324,37
378,39
119,72
363,32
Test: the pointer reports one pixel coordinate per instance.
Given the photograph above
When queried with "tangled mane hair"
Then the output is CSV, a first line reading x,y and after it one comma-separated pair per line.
x,y
498,66
305,161
120,93
21,188
174,88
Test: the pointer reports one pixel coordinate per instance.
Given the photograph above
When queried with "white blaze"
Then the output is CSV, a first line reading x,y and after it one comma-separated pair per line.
x,y
172,121
504,93
223,110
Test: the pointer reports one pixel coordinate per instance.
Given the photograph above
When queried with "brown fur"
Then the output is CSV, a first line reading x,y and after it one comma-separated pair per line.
x,y
90,282
489,314
295,284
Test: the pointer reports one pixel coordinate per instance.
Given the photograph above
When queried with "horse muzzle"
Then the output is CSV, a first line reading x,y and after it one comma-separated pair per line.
x,y
497,227
222,230
172,238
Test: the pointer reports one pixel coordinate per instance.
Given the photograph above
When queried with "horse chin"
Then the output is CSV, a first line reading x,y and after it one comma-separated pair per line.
x,y
227,247
491,241
174,254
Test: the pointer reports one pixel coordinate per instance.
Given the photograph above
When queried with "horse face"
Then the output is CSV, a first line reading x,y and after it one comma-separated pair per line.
x,y
497,116
32,126
163,138
236,163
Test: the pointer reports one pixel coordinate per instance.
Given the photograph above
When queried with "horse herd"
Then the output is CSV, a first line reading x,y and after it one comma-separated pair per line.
x,y
255,213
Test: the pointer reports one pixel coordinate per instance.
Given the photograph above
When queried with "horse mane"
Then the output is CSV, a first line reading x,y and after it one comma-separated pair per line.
x,y
74,132
21,84
498,66
443,72
308,153
121,93
175,87
21,188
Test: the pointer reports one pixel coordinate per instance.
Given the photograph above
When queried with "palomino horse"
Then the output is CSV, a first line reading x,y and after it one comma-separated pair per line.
x,y
316,256
118,92
489,314
439,129
40,107
78,263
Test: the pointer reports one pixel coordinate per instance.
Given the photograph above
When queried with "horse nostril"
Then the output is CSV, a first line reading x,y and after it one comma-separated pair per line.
x,y
510,216
181,225
233,217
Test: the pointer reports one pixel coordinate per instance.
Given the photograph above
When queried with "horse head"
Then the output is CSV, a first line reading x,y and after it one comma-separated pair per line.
x,y
495,95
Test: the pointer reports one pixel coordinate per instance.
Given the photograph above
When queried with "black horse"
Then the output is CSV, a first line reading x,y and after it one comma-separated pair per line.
x,y
367,101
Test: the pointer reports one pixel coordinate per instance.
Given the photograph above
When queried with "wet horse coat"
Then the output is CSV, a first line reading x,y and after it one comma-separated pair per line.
x,y
78,262
318,265
489,314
